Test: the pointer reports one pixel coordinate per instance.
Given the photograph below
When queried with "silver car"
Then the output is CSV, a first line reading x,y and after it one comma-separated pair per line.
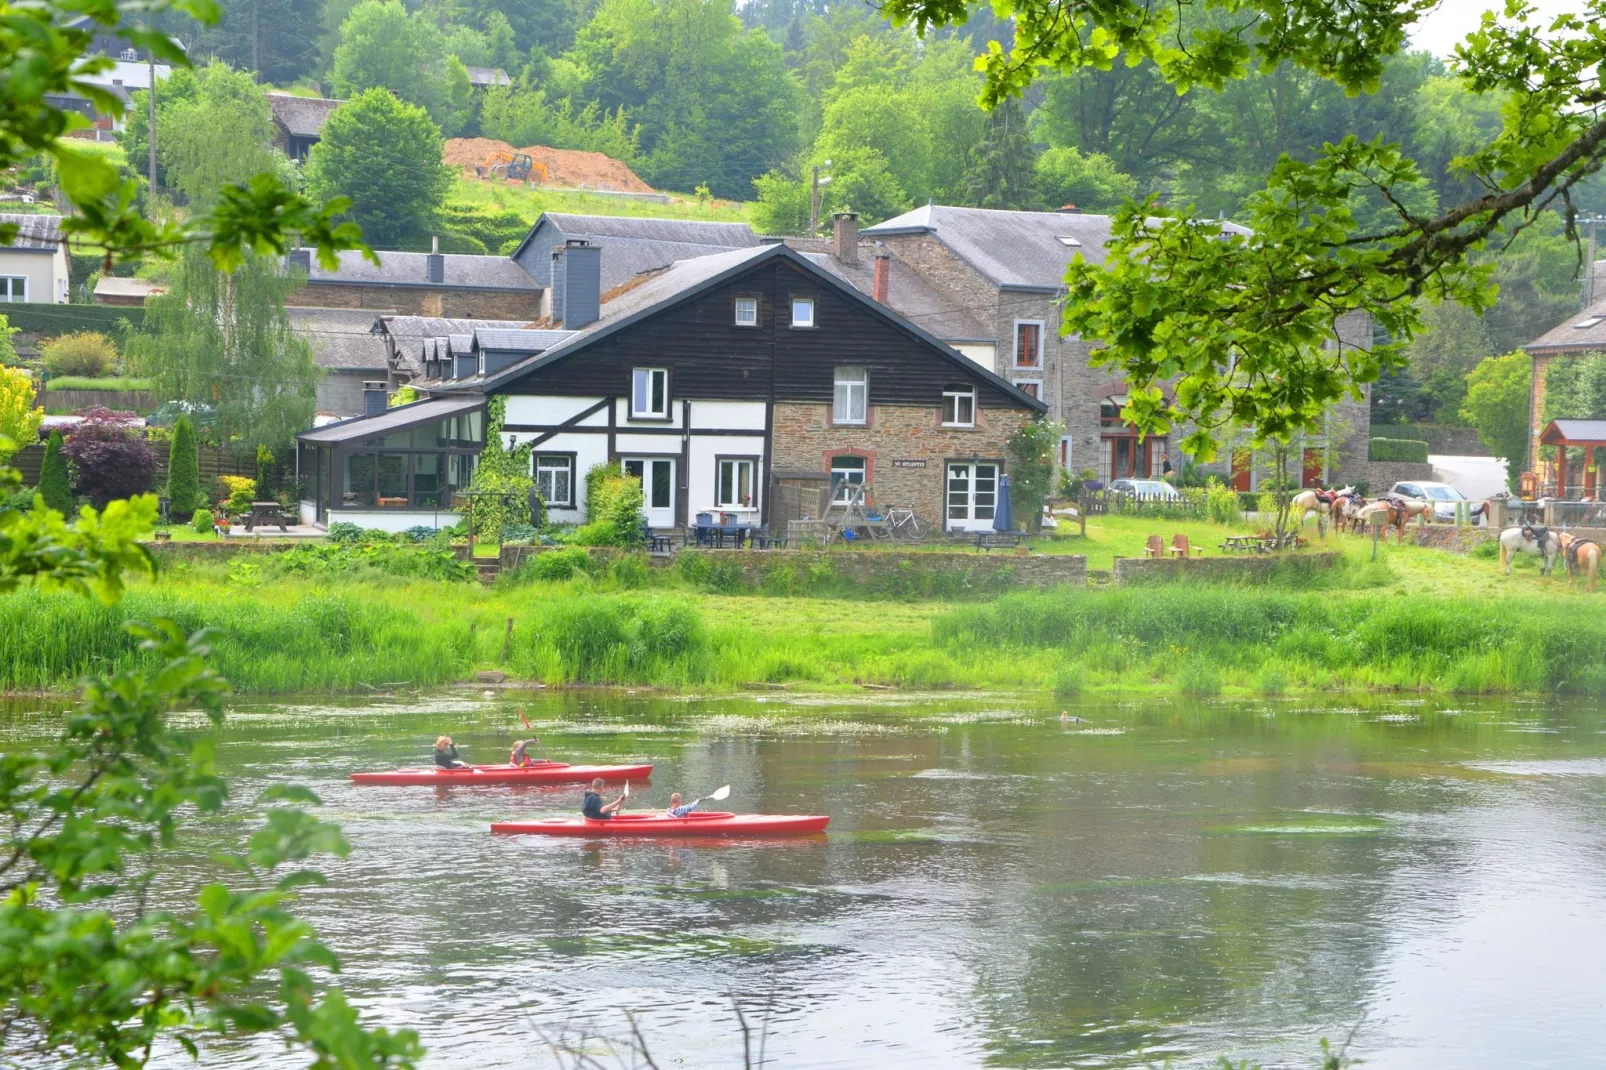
x,y
1442,495
1148,490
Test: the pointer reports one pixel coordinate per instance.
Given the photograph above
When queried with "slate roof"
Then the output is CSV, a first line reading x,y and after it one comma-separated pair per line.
x,y
428,411
464,270
301,116
341,338
632,245
1012,250
529,341
1574,431
909,295
42,232
417,338
113,286
685,279
1579,332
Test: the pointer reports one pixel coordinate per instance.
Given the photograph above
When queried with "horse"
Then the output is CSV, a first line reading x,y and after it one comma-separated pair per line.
x,y
1315,500
1529,539
1417,507
1580,555
1344,508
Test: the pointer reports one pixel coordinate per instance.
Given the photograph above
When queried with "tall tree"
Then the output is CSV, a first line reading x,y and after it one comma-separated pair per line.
x,y
183,473
225,341
265,36
220,133
1497,404
55,481
1003,168
385,155
382,46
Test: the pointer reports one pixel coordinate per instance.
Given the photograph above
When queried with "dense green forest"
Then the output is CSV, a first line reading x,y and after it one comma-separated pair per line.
x,y
744,102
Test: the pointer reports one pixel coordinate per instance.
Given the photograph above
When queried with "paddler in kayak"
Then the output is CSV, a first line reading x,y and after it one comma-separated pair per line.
x,y
521,753
677,810
593,808
446,754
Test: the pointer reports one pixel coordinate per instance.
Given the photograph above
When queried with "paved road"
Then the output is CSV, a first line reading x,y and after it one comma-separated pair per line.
x,y
1475,477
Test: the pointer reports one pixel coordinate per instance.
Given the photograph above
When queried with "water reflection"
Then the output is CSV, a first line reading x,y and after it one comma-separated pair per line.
x,y
998,888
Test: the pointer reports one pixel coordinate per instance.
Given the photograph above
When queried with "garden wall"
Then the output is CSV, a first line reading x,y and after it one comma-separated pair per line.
x,y
1131,571
874,568
1384,474
121,400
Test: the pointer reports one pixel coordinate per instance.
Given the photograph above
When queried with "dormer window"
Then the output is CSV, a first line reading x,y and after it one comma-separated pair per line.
x,y
803,312
747,312
649,394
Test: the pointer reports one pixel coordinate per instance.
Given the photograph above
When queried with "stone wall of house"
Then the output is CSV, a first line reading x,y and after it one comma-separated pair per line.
x,y
1381,475
1450,537
423,301
806,440
1255,568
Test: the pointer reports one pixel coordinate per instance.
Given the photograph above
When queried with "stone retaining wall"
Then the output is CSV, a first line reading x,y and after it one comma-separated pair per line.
x,y
1448,537
1381,475
1131,571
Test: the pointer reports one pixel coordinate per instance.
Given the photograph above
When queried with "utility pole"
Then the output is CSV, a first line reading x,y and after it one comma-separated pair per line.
x,y
151,195
814,196
256,42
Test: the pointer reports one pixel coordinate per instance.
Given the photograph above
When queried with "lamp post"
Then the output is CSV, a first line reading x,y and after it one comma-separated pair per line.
x,y
814,196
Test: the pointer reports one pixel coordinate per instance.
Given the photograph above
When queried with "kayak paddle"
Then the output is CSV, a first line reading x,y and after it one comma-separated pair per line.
x,y
719,796
626,795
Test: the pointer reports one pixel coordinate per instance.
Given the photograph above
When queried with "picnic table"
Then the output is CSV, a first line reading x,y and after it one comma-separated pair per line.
x,y
1253,544
266,513
987,540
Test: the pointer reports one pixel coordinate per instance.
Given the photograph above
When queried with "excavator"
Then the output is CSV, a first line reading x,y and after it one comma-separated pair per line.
x,y
513,166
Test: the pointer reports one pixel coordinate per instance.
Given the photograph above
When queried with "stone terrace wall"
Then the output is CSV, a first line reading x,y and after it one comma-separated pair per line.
x,y
868,567
1381,475
1131,571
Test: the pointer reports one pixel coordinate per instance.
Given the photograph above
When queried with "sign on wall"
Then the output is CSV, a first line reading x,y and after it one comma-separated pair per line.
x,y
909,463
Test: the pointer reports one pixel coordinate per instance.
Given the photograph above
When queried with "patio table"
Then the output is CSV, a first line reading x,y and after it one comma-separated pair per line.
x,y
266,513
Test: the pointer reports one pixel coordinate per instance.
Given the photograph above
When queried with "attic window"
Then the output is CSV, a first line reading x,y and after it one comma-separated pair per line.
x,y
1584,325
1074,243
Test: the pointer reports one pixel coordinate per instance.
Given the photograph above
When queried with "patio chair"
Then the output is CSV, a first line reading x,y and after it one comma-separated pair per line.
x,y
705,529
1181,549
1155,547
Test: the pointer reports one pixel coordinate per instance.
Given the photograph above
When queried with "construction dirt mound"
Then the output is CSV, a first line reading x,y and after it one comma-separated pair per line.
x,y
566,168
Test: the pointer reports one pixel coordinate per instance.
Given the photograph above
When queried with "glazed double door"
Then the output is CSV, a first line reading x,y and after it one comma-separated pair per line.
x,y
657,476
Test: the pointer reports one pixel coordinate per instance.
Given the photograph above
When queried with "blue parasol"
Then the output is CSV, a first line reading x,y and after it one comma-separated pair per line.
x,y
1004,515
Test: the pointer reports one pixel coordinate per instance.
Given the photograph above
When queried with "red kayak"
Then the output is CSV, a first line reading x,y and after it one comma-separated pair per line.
x,y
712,823
536,773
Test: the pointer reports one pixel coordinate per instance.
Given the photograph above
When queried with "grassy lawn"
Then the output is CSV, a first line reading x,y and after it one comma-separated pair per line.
x,y
531,201
83,382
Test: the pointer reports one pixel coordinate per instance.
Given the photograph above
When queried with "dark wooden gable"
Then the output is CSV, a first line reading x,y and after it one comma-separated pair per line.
x,y
710,357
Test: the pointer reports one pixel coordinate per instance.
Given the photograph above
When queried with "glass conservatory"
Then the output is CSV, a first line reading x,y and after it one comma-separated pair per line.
x,y
401,469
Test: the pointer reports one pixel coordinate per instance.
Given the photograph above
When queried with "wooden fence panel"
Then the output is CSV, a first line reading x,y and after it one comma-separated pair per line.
x,y
212,463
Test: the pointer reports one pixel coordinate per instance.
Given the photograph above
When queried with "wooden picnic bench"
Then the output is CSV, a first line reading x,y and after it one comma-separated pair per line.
x,y
266,513
988,540
1252,544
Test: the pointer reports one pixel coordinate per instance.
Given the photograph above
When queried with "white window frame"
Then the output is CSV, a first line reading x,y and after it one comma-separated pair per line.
x,y
636,379
963,503
735,465
1022,384
803,303
567,468
5,296
747,305
955,395
1015,343
843,392
838,490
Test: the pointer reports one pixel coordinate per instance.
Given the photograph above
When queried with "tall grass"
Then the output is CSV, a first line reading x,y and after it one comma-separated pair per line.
x,y
1438,642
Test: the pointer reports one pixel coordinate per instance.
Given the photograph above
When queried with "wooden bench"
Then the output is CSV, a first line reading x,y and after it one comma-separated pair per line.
x,y
266,513
1252,544
988,540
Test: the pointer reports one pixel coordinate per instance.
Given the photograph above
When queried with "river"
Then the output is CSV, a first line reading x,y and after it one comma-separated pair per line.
x,y
1424,880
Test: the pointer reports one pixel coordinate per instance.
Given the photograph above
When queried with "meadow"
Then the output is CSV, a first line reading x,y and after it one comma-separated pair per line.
x,y
316,620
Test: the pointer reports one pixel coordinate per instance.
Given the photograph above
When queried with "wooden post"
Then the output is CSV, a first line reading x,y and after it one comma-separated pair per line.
x,y
1590,481
470,497
507,640
1561,472
1377,530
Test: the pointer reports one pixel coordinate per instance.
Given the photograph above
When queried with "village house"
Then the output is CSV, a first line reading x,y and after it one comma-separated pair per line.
x,y
34,266
421,284
1005,270
298,122
629,245
717,380
1580,334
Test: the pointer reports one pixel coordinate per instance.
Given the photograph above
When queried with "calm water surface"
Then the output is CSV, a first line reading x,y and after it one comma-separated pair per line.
x,y
1166,881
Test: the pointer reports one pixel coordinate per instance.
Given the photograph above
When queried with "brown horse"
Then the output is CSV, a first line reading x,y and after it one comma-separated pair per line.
x,y
1388,512
1581,555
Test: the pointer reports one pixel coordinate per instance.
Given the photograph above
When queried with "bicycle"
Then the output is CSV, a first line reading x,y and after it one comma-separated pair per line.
x,y
904,524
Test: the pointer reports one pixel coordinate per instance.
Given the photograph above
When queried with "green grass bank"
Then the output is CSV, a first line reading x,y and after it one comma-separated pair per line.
x,y
289,632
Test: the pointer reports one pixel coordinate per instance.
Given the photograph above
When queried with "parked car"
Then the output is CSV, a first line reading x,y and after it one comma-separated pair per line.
x,y
1149,490
1442,495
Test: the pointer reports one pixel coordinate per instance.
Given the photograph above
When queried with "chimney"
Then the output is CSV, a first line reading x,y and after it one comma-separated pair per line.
x,y
576,284
302,259
437,262
373,398
1069,209
846,234
883,270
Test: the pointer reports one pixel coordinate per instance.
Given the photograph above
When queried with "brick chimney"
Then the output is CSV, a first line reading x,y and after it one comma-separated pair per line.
x,y
846,231
883,270
1069,209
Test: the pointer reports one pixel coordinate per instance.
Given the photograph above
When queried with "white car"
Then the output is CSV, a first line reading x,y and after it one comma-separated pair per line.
x,y
1148,490
1442,495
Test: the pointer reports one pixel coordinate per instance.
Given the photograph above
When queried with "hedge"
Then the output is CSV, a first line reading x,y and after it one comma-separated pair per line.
x,y
1397,449
41,318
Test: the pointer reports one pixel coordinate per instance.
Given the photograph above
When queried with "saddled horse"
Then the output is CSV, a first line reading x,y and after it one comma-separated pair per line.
x,y
1385,512
1580,555
1529,539
1344,510
1316,500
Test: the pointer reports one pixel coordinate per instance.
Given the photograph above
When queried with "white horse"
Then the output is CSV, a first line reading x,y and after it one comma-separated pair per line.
x,y
1315,501
1528,539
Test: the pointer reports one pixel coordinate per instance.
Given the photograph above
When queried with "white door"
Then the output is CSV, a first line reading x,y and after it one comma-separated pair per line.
x,y
657,475
972,496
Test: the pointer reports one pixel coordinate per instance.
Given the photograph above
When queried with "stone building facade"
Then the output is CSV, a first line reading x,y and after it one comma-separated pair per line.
x,y
905,448
439,285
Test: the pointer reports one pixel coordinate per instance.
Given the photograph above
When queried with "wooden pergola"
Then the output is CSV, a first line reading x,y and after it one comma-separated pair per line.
x,y
1575,434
